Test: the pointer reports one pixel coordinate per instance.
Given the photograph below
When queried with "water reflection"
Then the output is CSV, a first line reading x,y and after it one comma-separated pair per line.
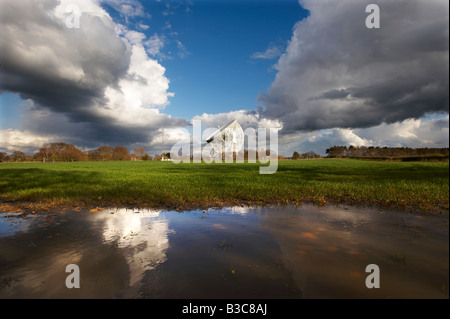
x,y
328,249
141,236
13,222
239,252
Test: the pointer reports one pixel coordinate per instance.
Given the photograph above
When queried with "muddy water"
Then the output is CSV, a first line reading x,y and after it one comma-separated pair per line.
x,y
304,252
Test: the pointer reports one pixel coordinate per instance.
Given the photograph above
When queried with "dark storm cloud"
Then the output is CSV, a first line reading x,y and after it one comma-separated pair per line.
x,y
57,67
338,73
75,77
335,94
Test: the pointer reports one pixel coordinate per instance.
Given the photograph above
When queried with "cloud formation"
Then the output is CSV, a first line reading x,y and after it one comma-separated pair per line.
x,y
271,52
25,141
245,118
407,133
127,8
336,73
97,79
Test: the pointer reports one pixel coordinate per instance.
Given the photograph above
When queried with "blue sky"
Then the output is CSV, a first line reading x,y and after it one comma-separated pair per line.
x,y
138,72
11,110
216,72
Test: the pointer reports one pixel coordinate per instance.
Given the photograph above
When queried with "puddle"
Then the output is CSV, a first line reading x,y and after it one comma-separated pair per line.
x,y
304,252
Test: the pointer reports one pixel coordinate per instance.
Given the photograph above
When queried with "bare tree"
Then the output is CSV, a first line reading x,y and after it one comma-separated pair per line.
x,y
139,152
18,156
121,153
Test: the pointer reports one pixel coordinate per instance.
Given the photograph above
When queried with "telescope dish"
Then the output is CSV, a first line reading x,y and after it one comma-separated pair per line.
x,y
228,138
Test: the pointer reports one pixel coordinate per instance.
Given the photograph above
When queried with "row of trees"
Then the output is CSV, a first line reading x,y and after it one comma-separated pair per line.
x,y
307,155
375,152
388,152
63,152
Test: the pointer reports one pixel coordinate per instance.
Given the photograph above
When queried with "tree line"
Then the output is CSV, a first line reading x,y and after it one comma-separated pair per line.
x,y
307,155
63,152
386,152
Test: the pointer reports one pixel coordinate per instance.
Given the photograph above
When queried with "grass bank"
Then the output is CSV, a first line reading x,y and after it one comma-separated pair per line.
x,y
412,185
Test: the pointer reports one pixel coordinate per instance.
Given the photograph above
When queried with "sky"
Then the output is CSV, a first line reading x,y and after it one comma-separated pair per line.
x,y
136,73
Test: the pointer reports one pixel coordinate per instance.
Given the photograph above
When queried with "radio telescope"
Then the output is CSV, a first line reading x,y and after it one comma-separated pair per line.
x,y
228,138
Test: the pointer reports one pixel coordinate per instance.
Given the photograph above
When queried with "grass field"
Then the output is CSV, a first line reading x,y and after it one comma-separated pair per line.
x,y
414,185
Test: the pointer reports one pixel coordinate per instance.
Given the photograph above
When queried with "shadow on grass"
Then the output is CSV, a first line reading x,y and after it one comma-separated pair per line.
x,y
31,182
160,183
366,170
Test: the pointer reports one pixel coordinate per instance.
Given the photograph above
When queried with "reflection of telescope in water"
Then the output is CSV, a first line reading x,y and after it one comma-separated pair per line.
x,y
228,138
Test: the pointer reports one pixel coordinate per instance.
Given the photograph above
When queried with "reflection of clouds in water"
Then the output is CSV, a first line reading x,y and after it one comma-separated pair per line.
x,y
326,249
240,210
25,281
142,237
352,214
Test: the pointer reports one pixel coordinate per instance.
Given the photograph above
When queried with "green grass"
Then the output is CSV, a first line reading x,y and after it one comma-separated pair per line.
x,y
414,185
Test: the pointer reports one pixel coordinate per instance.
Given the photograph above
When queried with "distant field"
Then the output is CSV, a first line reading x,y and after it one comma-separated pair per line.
x,y
413,185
